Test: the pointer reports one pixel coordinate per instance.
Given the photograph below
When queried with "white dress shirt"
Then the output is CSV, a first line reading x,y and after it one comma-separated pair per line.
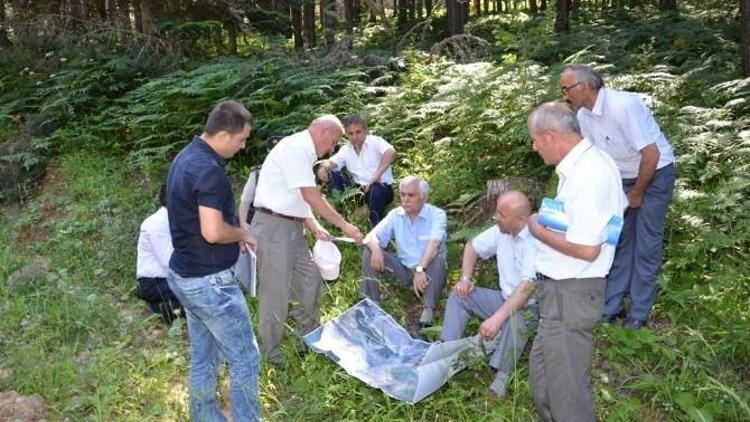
x,y
287,168
621,124
591,189
516,256
154,246
362,166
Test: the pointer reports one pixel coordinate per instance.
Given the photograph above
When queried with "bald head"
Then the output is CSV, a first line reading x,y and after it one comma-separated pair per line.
x,y
512,213
325,131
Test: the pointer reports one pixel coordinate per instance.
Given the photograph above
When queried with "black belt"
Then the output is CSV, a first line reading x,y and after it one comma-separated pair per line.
x,y
288,217
542,277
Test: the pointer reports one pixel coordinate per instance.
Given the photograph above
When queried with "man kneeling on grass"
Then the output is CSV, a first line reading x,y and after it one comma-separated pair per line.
x,y
419,231
510,312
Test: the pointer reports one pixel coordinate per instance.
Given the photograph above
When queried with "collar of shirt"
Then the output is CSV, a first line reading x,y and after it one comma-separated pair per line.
x,y
523,234
568,163
361,150
400,211
601,99
202,145
309,145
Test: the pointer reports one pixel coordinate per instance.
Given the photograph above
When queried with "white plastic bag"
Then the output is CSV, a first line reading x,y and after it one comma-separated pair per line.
x,y
328,259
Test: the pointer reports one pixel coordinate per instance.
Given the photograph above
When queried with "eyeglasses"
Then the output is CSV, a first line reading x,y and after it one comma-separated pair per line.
x,y
564,89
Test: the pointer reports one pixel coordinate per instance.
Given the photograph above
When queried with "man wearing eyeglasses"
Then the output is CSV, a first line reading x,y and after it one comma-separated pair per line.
x,y
620,123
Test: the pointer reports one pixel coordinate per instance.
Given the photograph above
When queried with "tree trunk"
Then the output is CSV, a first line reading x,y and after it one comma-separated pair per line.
x,y
543,5
308,23
296,14
4,40
123,14
561,18
402,11
101,10
232,34
428,7
456,12
329,22
76,10
138,16
532,6
745,35
478,7
53,7
666,5
419,5
147,19
349,19
357,11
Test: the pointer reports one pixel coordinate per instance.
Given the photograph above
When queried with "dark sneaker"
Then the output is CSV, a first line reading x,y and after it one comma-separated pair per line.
x,y
610,318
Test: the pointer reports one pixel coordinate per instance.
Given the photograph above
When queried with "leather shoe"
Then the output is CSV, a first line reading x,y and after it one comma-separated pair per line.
x,y
425,320
634,324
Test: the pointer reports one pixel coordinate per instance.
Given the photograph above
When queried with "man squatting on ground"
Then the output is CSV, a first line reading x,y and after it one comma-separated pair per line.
x,y
367,158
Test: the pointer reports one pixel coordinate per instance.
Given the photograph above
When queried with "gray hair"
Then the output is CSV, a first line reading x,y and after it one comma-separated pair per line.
x,y
554,115
424,188
585,74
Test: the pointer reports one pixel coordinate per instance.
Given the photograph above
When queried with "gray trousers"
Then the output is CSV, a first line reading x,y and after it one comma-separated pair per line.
x,y
436,275
286,271
560,362
483,303
638,255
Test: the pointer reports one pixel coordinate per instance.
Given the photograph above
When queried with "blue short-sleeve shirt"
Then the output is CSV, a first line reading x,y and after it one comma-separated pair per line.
x,y
412,237
196,177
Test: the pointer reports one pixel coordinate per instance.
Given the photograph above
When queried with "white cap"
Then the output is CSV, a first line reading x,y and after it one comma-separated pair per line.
x,y
328,259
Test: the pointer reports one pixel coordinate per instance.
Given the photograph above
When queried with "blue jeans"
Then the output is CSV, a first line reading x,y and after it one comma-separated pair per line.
x,y
377,197
219,326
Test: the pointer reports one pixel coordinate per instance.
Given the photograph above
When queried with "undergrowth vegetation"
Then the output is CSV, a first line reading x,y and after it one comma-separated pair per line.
x,y
106,124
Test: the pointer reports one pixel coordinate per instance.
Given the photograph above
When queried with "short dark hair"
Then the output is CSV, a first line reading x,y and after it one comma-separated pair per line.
x,y
229,116
355,120
163,195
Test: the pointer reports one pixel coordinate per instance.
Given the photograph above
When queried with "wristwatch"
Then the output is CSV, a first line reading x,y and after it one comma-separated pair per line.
x,y
418,269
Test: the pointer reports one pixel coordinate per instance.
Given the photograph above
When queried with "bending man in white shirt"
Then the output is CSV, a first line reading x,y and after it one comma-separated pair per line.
x,y
367,159
501,310
154,250
285,197
621,124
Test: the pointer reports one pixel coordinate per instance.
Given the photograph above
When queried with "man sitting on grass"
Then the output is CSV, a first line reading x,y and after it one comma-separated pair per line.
x,y
510,312
419,231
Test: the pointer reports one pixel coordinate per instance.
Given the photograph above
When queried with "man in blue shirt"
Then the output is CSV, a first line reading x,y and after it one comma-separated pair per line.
x,y
207,239
419,231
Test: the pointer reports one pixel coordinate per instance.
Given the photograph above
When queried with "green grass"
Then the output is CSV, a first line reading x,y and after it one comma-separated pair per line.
x,y
71,330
